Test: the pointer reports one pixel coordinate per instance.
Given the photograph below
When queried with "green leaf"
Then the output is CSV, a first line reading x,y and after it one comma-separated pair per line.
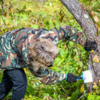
x,y
75,95
57,60
91,97
34,26
59,63
55,96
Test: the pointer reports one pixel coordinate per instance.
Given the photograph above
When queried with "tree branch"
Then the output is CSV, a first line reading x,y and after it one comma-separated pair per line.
x,y
82,17
89,29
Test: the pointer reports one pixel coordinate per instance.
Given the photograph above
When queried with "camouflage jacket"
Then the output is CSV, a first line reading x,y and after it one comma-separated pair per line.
x,y
14,49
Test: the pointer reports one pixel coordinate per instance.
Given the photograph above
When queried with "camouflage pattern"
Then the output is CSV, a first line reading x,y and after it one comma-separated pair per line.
x,y
14,47
48,76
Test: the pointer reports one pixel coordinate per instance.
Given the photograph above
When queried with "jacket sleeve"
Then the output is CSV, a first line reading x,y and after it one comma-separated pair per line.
x,y
48,76
69,33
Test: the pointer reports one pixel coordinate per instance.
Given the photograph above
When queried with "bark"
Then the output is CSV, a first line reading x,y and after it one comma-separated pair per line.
x,y
89,29
82,17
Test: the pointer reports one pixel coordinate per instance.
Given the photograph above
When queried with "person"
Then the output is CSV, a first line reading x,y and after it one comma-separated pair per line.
x,y
35,49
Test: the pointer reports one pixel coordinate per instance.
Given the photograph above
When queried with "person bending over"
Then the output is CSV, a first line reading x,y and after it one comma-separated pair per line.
x,y
35,49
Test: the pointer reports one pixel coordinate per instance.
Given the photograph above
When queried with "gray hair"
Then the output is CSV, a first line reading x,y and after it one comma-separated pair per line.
x,y
41,51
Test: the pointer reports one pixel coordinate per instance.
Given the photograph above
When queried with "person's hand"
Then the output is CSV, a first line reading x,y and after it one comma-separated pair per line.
x,y
72,78
90,45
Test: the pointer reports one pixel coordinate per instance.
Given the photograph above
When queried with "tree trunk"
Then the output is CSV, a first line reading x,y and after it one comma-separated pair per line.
x,y
89,29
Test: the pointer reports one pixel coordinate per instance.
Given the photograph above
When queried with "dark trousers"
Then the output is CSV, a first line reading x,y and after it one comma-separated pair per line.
x,y
16,80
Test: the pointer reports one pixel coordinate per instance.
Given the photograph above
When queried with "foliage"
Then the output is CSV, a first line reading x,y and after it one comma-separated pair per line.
x,y
72,58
